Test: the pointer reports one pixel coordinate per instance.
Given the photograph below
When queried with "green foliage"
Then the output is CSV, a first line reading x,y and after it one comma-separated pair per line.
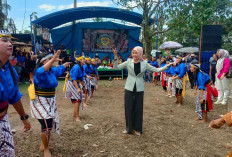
x,y
4,7
203,12
181,20
27,32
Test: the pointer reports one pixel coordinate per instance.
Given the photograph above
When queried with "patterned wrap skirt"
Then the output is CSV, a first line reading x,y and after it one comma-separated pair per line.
x,y
198,103
179,83
87,85
72,93
93,82
170,83
45,108
6,138
173,87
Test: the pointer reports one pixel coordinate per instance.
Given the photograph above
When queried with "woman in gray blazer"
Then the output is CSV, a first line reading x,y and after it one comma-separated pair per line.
x,y
134,89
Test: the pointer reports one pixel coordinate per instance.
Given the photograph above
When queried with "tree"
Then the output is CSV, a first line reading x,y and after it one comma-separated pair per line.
x,y
4,7
11,25
204,12
27,32
165,13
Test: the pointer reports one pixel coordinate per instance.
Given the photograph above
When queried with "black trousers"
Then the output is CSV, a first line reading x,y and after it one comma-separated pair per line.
x,y
165,87
191,79
213,77
134,110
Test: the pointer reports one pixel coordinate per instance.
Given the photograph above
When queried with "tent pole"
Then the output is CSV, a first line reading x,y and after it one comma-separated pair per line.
x,y
200,47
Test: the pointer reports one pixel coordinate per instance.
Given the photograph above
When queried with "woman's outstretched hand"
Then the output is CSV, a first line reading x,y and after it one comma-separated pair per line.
x,y
56,56
170,64
115,53
66,64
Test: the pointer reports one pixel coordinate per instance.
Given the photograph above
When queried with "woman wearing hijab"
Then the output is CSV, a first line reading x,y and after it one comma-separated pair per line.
x,y
134,88
204,102
44,106
222,83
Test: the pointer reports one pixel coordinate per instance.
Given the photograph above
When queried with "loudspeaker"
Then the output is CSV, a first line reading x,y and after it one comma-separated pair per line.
x,y
211,37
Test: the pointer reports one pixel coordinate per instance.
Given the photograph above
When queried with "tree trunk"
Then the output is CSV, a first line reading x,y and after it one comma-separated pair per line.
x,y
148,47
147,37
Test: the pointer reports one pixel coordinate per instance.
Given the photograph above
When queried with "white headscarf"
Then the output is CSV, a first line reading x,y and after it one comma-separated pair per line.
x,y
139,49
223,54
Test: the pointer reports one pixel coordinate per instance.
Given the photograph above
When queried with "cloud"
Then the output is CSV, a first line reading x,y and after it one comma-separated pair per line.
x,y
48,7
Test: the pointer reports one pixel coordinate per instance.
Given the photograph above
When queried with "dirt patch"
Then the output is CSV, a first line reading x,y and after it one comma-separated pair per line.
x,y
168,130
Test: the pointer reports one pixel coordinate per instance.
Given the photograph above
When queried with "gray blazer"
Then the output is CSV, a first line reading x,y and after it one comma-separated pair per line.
x,y
132,78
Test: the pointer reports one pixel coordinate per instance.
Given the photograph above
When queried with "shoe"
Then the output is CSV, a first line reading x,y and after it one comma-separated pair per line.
x,y
223,103
137,133
217,102
125,132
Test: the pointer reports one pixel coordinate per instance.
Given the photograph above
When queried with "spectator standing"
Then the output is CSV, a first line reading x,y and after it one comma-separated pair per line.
x,y
21,60
52,50
189,59
222,83
159,60
62,54
18,68
43,50
147,74
213,63
27,64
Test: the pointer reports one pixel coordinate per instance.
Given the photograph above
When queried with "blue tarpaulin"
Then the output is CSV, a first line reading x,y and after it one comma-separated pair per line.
x,y
71,37
58,18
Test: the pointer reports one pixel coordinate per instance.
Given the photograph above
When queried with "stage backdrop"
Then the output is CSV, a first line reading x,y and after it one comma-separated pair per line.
x,y
97,37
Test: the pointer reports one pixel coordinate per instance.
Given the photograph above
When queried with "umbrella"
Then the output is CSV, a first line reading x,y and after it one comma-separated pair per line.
x,y
188,50
170,45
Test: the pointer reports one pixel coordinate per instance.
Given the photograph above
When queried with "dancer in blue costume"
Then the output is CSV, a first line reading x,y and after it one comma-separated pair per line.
x,y
44,106
9,94
87,78
180,71
94,75
75,86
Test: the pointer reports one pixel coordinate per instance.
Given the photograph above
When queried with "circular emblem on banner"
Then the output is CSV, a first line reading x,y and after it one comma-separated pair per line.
x,y
105,41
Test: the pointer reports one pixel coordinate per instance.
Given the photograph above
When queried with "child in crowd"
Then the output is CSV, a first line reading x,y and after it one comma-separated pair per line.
x,y
19,71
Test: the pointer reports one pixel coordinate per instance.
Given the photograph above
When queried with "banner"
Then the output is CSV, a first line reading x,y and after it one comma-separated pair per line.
x,y
40,36
103,40
43,33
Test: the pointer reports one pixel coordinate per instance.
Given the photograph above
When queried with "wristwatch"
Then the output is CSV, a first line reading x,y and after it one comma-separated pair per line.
x,y
24,118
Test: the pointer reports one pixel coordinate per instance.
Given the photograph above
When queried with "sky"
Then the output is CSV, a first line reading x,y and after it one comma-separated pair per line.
x,y
44,7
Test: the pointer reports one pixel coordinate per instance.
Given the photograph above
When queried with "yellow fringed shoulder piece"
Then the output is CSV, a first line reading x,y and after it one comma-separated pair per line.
x,y
31,91
66,79
185,78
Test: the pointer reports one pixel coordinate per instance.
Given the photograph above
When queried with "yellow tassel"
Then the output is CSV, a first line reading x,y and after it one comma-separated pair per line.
x,y
185,78
66,79
31,91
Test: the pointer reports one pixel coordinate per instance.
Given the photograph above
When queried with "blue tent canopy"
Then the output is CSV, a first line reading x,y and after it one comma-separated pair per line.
x,y
71,37
61,17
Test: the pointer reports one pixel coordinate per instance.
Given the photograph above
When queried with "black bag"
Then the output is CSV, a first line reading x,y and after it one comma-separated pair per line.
x,y
229,74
